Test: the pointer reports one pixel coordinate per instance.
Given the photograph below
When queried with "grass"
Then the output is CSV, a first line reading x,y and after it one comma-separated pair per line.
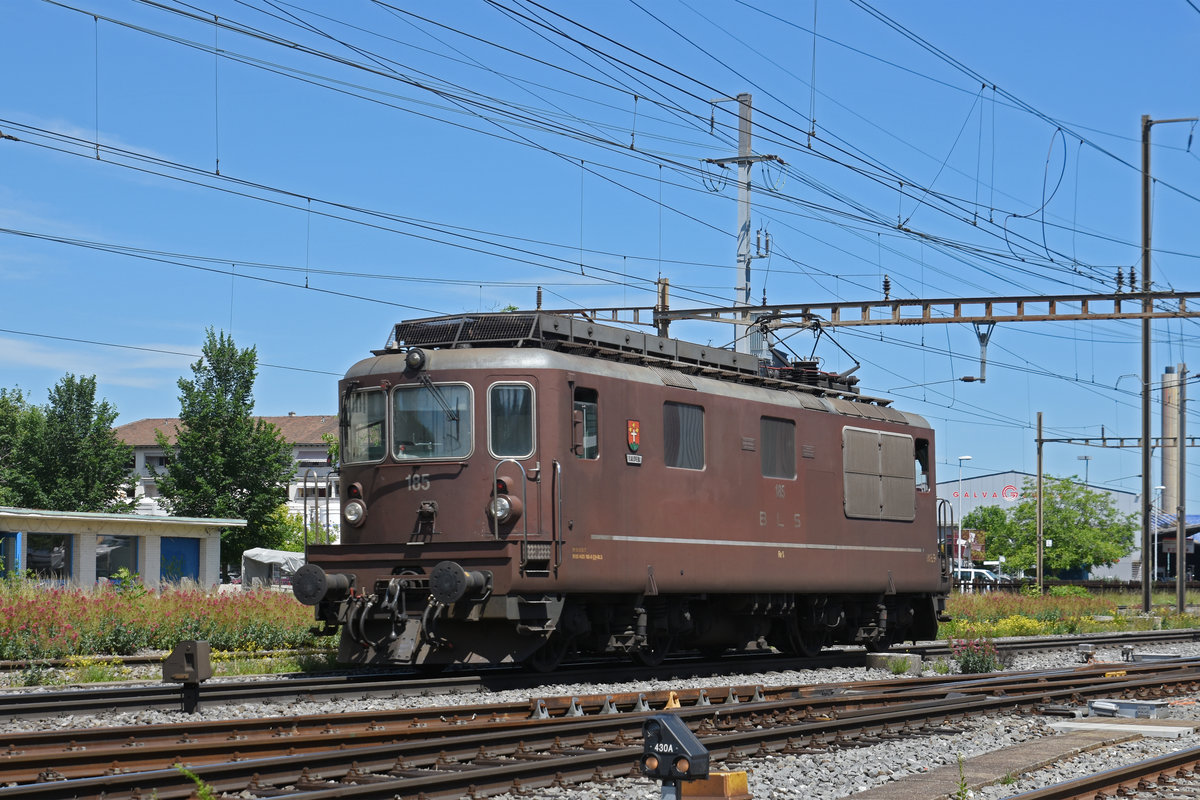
x,y
998,614
227,663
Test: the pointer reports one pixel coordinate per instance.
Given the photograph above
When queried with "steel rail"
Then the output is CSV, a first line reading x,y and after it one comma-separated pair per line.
x,y
731,732
1125,781
25,748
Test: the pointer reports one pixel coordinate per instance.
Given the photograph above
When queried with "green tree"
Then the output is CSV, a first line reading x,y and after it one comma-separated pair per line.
x,y
335,449
14,412
293,527
224,462
990,519
64,456
993,522
1084,525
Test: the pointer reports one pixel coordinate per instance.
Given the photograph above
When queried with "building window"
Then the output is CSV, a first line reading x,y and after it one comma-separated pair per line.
x,y
322,490
114,553
50,555
683,436
778,438
8,553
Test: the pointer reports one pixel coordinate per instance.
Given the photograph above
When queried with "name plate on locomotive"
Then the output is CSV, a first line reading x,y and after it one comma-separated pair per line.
x,y
633,458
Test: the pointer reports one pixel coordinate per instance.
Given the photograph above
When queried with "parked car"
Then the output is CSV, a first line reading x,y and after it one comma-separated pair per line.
x,y
971,578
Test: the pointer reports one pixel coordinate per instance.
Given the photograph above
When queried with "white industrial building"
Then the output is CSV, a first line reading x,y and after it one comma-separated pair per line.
x,y
1006,489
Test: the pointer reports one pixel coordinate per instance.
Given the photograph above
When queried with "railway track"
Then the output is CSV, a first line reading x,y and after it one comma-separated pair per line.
x,y
1176,775
110,698
487,749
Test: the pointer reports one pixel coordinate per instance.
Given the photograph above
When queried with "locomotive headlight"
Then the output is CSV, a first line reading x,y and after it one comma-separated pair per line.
x,y
500,508
504,508
355,512
415,360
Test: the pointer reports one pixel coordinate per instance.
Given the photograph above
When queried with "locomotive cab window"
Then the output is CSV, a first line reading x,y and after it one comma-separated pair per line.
x,y
510,420
585,440
362,422
879,475
431,422
683,436
778,437
922,465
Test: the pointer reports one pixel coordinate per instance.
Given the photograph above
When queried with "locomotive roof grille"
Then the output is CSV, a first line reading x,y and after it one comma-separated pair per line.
x,y
511,330
585,337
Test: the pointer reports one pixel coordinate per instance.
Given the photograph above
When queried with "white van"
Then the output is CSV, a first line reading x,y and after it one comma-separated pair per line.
x,y
970,578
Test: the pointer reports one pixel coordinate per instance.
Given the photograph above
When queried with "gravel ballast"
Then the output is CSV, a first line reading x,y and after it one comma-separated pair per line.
x,y
819,776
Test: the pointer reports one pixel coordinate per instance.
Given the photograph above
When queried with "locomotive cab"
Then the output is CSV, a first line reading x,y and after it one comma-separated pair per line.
x,y
443,519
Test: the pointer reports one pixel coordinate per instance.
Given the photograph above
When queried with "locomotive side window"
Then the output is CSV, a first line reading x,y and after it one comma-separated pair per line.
x,y
879,474
586,404
362,422
683,436
922,465
431,423
510,420
778,437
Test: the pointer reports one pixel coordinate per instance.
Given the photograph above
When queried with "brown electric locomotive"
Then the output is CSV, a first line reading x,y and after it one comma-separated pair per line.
x,y
517,487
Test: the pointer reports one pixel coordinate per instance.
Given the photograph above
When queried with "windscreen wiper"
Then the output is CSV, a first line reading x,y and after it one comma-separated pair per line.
x,y
451,414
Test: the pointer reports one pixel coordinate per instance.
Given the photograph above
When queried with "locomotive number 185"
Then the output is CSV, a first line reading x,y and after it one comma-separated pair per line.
x,y
418,482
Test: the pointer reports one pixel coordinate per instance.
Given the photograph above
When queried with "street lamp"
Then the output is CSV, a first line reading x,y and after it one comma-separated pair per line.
x,y
959,543
1156,523
1087,463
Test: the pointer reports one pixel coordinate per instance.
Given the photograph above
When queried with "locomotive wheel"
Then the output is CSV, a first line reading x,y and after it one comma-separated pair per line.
x,y
796,641
806,644
655,652
547,657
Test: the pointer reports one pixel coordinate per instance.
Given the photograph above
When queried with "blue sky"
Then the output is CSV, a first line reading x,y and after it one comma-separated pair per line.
x,y
334,168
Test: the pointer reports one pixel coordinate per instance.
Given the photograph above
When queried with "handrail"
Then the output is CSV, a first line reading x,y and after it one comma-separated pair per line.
x,y
524,496
330,485
304,507
557,536
945,528
316,503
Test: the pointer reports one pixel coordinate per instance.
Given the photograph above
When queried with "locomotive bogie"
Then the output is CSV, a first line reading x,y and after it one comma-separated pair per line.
x,y
517,503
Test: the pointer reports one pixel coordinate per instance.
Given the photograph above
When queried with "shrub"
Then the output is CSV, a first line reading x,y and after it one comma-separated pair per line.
x,y
975,656
1017,625
41,622
1069,591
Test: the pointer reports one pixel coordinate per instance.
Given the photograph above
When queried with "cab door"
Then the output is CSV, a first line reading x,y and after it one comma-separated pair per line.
x,y
514,446
578,497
